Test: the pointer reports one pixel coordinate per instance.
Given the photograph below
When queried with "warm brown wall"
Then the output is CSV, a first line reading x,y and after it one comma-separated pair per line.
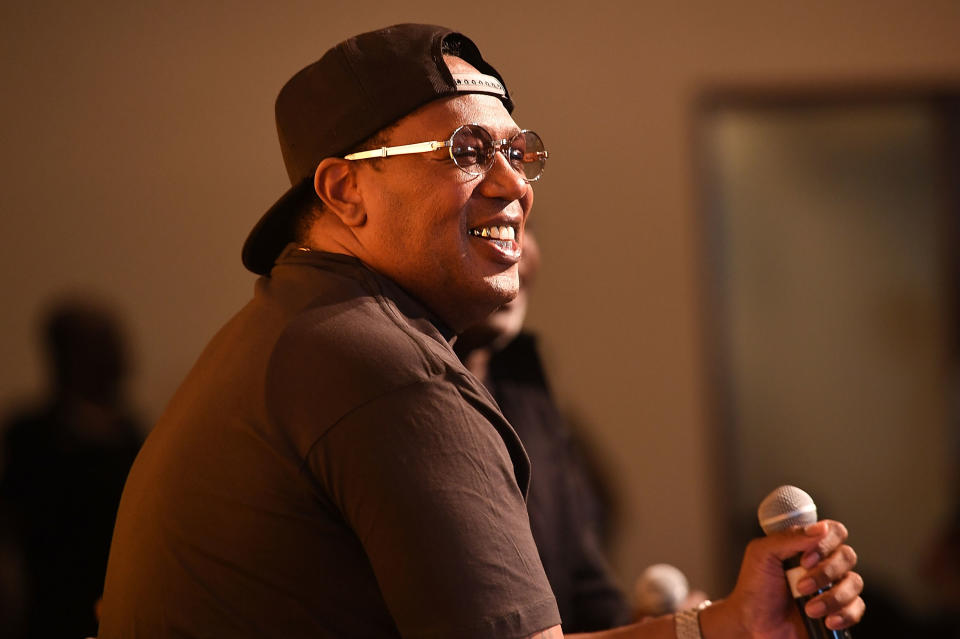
x,y
138,148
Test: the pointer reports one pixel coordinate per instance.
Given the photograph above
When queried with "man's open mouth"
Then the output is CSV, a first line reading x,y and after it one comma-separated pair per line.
x,y
508,233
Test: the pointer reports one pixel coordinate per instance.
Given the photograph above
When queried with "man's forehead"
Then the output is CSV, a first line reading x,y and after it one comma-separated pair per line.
x,y
441,117
459,65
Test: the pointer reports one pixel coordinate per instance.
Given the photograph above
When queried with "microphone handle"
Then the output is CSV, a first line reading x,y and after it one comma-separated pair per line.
x,y
816,628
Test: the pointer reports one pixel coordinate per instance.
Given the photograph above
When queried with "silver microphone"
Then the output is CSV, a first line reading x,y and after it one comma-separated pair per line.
x,y
788,507
661,589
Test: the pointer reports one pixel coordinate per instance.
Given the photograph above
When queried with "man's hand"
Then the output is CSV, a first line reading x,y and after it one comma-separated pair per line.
x,y
761,606
762,600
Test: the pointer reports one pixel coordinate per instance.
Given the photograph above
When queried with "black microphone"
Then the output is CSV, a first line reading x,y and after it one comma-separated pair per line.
x,y
784,508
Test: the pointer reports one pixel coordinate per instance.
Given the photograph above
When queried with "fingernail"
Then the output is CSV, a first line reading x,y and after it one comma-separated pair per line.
x,y
834,621
807,586
816,609
810,560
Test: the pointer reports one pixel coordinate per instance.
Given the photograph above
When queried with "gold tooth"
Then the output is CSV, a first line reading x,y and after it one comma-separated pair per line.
x,y
511,232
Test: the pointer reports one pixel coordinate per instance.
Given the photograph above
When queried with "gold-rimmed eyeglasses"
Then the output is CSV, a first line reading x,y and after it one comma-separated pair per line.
x,y
474,150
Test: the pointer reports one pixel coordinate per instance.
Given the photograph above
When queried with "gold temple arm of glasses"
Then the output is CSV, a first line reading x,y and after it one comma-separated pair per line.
x,y
403,149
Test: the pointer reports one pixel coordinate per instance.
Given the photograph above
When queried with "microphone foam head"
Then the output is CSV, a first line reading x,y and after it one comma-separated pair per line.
x,y
786,507
661,589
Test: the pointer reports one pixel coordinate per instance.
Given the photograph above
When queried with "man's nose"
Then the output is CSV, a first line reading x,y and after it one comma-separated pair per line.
x,y
502,180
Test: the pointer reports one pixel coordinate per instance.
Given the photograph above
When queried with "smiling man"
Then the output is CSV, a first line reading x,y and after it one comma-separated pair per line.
x,y
329,468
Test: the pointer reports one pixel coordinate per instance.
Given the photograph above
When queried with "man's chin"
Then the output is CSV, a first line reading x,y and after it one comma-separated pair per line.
x,y
505,287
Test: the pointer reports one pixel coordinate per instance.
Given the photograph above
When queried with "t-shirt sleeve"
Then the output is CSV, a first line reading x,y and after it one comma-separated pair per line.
x,y
427,485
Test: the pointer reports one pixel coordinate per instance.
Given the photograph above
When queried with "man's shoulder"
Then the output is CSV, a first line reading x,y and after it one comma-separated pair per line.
x,y
335,313
336,355
361,334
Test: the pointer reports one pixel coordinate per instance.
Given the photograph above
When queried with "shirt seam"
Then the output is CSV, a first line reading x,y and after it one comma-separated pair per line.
x,y
304,462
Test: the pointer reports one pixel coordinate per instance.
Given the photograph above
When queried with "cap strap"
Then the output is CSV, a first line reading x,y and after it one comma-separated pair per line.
x,y
479,82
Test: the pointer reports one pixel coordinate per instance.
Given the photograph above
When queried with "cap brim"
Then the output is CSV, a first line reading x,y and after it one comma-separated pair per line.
x,y
276,228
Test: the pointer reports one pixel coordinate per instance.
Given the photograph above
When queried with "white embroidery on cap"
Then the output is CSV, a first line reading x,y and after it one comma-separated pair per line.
x,y
475,82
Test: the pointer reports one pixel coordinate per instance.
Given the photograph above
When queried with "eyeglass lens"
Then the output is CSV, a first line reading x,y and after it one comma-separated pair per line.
x,y
474,150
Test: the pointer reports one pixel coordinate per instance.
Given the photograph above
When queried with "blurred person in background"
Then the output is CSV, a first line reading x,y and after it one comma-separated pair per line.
x,y
940,568
567,514
64,465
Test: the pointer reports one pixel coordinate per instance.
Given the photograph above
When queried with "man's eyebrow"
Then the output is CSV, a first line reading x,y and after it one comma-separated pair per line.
x,y
502,134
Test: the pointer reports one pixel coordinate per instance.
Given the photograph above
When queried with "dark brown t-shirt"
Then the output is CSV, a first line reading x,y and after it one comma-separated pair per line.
x,y
327,469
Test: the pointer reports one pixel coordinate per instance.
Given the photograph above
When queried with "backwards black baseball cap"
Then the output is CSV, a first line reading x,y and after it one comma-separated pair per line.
x,y
357,88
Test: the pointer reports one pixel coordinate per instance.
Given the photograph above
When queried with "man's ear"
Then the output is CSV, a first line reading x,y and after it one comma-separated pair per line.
x,y
336,184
